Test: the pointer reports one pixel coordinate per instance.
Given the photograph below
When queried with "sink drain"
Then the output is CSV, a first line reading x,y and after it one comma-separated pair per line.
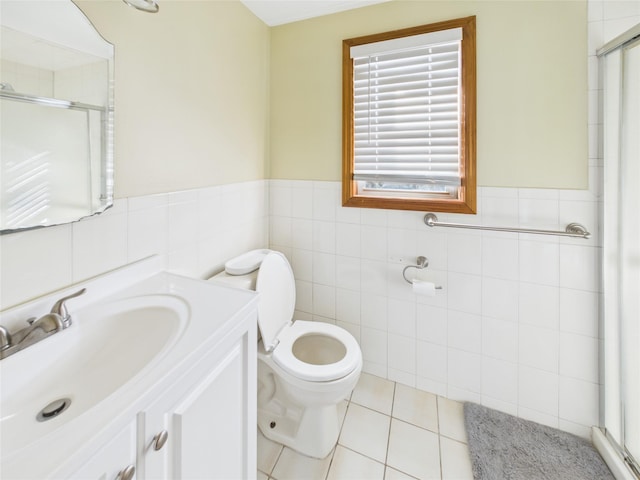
x,y
54,409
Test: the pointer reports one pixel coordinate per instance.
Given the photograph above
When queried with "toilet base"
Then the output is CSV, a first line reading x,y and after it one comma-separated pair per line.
x,y
303,415
312,431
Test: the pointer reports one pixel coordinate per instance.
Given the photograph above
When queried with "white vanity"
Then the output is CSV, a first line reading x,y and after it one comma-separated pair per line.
x,y
158,373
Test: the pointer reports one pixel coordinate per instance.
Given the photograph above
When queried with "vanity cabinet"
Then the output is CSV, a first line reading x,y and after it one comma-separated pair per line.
x,y
114,459
204,426
188,372
201,426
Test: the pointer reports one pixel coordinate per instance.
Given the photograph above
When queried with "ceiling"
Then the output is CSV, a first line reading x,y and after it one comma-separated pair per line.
x,y
278,12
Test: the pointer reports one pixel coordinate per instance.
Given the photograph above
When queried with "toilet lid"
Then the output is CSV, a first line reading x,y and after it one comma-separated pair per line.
x,y
277,289
286,359
246,263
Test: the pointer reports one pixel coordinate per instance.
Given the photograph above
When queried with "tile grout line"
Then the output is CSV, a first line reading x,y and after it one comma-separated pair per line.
x,y
339,433
333,454
276,462
393,403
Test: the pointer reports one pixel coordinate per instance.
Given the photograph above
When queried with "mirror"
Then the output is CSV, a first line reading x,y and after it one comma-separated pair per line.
x,y
56,115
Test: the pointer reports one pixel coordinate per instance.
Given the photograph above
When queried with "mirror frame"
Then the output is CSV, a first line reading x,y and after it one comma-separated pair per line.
x,y
51,22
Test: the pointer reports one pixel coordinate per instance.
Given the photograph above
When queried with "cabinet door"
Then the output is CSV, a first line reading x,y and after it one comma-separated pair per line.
x,y
209,425
210,417
112,459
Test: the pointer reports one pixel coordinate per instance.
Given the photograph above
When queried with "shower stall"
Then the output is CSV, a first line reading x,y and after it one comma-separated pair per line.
x,y
620,401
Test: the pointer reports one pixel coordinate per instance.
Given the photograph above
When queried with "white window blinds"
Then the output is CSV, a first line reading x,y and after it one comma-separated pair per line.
x,y
407,110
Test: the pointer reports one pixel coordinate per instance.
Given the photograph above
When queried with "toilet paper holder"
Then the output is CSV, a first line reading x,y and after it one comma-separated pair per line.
x,y
422,262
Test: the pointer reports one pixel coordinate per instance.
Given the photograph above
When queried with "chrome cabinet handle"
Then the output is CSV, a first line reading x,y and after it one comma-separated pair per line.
x,y
160,439
127,473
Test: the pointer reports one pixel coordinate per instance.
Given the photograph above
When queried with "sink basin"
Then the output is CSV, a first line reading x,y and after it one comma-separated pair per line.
x,y
108,346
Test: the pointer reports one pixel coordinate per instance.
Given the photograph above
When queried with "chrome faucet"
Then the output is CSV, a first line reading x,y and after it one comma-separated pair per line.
x,y
5,338
38,329
59,308
48,323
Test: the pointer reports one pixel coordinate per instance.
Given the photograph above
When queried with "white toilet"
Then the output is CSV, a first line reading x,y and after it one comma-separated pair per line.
x,y
305,369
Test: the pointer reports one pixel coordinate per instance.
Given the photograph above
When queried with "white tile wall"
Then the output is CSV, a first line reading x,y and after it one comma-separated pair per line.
x,y
25,78
510,327
195,230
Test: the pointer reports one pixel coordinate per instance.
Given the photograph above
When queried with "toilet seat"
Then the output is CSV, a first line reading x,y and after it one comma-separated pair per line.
x,y
276,285
283,355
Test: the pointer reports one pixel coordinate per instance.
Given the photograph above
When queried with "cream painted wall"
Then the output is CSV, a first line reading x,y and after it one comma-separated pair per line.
x,y
191,94
532,88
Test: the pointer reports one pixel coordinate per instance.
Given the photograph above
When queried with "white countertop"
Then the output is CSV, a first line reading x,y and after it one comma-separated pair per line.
x,y
215,311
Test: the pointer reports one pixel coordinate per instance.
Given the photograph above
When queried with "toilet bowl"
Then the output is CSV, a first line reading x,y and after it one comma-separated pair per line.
x,y
305,369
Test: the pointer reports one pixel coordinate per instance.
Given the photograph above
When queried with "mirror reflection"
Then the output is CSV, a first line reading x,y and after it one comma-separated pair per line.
x,y
56,115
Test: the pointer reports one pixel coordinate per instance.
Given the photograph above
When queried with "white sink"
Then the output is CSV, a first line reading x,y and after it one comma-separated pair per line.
x,y
109,344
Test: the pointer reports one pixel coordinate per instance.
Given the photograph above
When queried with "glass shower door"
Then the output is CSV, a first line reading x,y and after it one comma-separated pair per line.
x,y
630,248
621,246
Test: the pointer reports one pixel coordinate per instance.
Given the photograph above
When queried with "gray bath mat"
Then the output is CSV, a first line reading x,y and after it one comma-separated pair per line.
x,y
504,447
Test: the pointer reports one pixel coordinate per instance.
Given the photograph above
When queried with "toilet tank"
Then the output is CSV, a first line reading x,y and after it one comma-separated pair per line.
x,y
242,271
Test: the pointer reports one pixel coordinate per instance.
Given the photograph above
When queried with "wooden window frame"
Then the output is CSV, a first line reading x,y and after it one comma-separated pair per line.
x,y
466,202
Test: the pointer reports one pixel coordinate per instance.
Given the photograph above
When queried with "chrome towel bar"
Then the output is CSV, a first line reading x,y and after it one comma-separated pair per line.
x,y
572,230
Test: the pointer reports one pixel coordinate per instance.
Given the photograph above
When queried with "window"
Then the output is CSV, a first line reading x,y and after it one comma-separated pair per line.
x,y
409,118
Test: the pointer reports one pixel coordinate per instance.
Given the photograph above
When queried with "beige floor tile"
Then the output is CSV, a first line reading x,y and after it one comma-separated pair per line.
x,y
451,419
416,407
365,432
349,465
268,453
295,466
407,440
342,412
374,392
456,464
392,474
414,450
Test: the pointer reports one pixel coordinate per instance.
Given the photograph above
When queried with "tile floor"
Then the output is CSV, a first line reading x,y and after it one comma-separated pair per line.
x,y
389,432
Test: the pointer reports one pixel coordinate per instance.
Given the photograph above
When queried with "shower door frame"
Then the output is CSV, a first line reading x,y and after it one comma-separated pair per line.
x,y
614,365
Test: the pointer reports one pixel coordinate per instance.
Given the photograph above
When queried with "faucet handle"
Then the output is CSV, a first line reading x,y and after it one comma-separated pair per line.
x,y
5,338
60,308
